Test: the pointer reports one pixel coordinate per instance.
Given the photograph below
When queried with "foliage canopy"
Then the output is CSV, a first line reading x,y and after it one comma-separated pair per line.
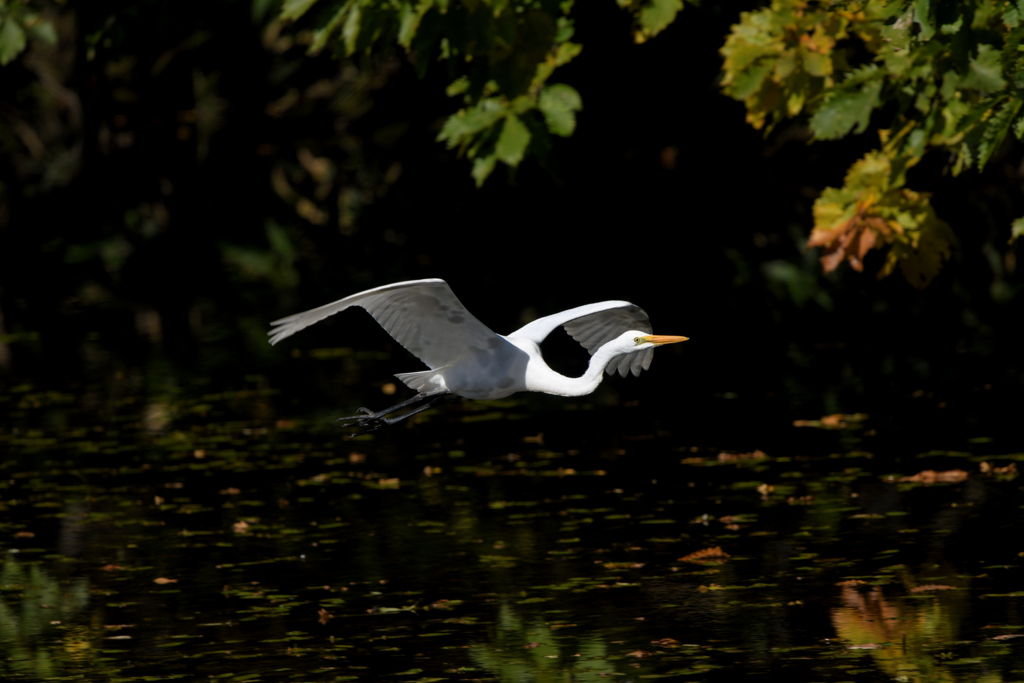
x,y
937,76
947,75
501,55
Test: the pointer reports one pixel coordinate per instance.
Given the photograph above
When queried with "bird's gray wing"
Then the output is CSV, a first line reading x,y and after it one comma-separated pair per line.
x,y
594,325
424,316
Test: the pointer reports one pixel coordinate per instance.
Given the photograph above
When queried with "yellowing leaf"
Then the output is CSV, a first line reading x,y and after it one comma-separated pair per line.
x,y
872,211
779,58
848,239
1017,229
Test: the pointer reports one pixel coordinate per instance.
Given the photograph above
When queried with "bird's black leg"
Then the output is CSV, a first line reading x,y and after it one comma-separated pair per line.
x,y
370,421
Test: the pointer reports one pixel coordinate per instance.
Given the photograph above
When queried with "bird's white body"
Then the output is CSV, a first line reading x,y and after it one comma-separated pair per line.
x,y
468,359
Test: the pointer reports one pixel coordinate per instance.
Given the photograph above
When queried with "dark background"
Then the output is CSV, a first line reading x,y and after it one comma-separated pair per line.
x,y
143,222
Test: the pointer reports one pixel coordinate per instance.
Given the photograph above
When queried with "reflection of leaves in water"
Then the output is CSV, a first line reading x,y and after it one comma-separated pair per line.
x,y
529,649
900,634
33,607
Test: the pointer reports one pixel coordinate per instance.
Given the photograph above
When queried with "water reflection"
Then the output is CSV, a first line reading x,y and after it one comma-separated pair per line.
x,y
904,637
532,649
173,536
37,619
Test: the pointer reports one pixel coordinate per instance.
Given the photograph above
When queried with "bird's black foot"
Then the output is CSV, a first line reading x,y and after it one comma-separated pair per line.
x,y
363,414
368,421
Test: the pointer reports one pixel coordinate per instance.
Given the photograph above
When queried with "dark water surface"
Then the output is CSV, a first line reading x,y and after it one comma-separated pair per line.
x,y
180,531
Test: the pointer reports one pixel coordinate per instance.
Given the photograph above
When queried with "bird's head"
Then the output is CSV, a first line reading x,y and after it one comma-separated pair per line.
x,y
634,340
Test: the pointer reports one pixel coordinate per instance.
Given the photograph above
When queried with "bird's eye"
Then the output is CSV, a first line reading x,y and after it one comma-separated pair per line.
x,y
636,340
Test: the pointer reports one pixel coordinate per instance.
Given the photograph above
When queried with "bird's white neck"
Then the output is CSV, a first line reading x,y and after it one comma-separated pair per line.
x,y
540,376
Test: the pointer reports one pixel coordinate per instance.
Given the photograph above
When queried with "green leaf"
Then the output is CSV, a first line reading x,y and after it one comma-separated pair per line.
x,y
746,83
350,32
410,22
513,141
897,33
954,28
482,167
1011,17
457,87
460,127
922,8
921,263
656,15
12,40
43,31
985,73
293,9
321,35
1017,229
559,103
848,108
995,130
279,241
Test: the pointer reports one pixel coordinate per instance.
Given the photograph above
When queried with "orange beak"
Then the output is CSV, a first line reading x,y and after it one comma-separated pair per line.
x,y
660,339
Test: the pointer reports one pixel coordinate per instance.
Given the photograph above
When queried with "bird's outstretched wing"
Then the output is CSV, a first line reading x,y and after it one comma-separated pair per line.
x,y
594,325
424,316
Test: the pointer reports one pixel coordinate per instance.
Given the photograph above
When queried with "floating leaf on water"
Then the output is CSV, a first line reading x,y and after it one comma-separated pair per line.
x,y
706,556
162,581
1007,470
836,421
933,477
728,456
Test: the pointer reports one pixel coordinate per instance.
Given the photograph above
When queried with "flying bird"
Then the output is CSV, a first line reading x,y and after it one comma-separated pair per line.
x,y
466,358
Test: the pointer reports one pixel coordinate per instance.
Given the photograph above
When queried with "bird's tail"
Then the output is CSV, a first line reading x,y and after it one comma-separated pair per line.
x,y
428,380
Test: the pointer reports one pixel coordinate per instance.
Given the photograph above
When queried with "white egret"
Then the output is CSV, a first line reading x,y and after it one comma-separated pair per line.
x,y
467,359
